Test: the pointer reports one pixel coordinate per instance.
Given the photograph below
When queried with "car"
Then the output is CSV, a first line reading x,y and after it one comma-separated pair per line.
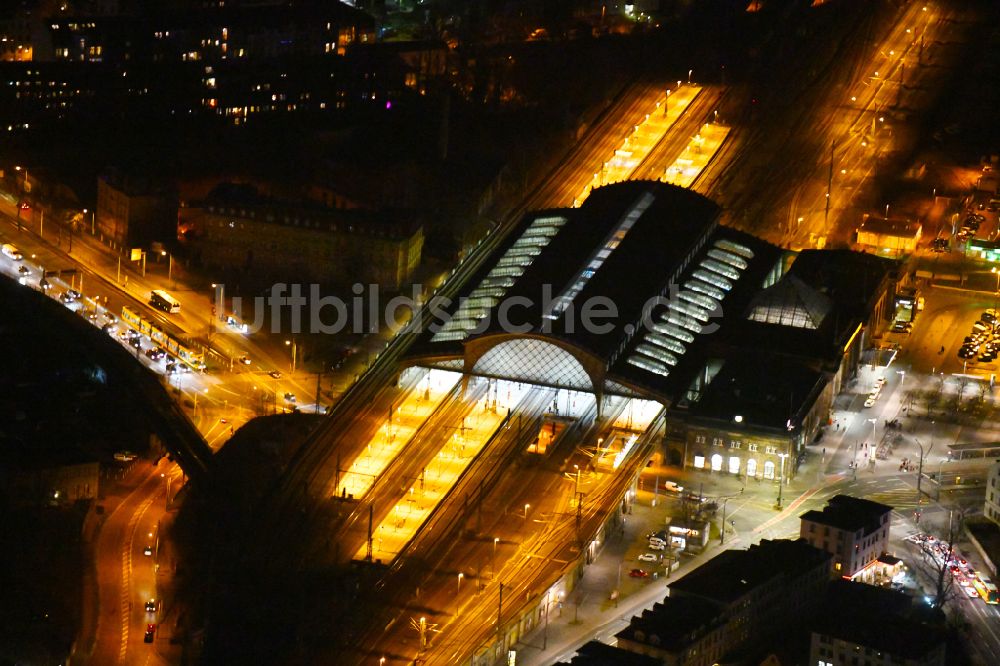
x,y
66,298
147,551
967,352
638,573
657,546
275,374
245,360
150,633
880,382
988,317
648,557
986,358
74,294
109,329
970,592
290,397
673,487
151,606
899,327
156,354
870,402
125,456
25,205
23,270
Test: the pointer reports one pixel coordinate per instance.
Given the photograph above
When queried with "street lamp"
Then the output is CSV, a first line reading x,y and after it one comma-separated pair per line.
x,y
460,577
93,221
20,199
170,263
781,479
294,347
920,465
996,292
526,507
493,562
576,490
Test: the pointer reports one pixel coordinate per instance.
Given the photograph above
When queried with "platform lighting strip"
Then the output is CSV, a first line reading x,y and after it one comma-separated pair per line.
x,y
611,243
661,347
500,279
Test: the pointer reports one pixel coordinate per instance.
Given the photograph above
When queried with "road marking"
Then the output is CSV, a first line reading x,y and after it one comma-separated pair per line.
x,y
125,602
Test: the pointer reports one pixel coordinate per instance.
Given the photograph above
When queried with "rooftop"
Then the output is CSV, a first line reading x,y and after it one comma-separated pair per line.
x,y
596,653
735,573
849,513
673,623
878,618
890,227
766,390
245,201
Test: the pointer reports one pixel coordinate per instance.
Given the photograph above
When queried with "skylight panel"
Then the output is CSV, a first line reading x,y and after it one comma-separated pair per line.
x,y
691,310
657,353
673,331
684,322
733,260
705,288
713,279
720,268
649,365
731,246
701,300
666,342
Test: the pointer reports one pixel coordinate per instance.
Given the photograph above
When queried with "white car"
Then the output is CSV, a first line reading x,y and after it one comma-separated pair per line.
x,y
672,487
880,382
657,546
869,402
648,557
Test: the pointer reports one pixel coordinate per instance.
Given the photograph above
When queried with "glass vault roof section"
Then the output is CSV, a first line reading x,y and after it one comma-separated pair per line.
x,y
534,361
500,279
597,259
700,299
790,302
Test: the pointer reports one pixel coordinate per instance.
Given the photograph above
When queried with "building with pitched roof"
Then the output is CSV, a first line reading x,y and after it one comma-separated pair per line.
x,y
855,531
875,626
732,604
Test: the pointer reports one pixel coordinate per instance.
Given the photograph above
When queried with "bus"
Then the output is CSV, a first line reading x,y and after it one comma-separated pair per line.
x,y
162,300
12,252
986,589
174,346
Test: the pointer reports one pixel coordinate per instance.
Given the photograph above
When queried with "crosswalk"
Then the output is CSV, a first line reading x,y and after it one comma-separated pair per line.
x,y
901,497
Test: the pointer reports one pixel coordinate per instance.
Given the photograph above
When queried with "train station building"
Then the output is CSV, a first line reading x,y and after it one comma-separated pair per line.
x,y
641,294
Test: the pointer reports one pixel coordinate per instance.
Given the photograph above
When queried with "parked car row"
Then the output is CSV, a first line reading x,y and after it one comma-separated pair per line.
x,y
970,226
982,342
875,392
